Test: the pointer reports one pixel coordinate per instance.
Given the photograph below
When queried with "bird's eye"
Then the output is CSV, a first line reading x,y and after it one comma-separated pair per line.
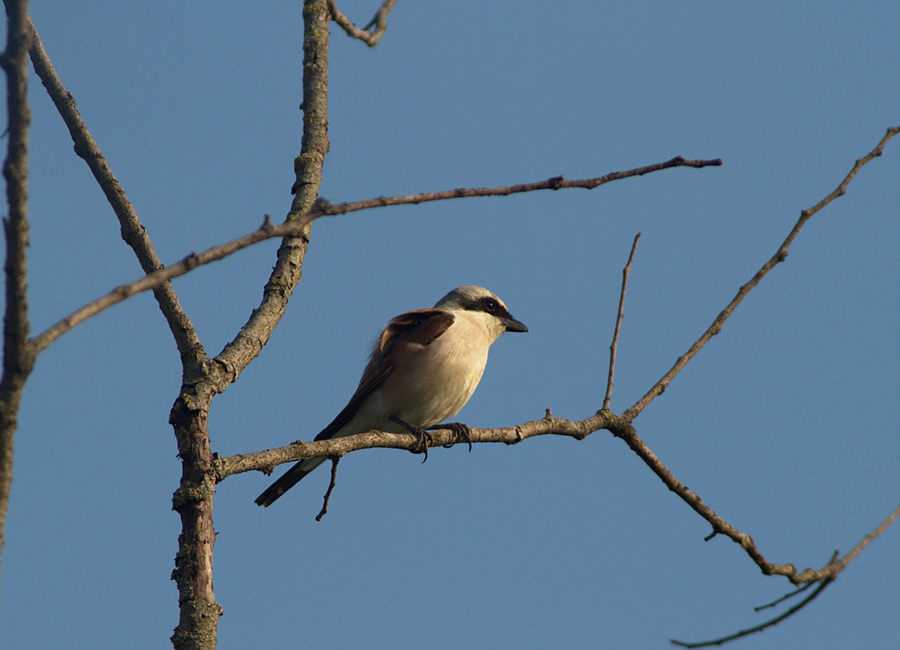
x,y
490,305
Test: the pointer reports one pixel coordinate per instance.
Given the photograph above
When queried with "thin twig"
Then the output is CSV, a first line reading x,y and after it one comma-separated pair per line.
x,y
615,342
779,256
334,465
366,34
761,627
555,183
787,596
298,224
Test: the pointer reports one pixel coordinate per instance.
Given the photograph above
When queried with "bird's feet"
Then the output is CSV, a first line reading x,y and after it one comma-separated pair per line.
x,y
424,437
463,432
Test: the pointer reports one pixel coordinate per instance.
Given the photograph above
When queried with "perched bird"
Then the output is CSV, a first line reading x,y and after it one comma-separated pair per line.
x,y
424,367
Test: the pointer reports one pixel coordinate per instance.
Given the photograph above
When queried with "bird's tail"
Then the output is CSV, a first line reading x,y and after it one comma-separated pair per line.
x,y
288,480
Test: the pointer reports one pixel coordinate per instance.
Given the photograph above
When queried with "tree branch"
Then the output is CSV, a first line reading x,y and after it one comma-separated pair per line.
x,y
266,461
759,628
366,34
615,342
779,256
555,183
334,465
18,354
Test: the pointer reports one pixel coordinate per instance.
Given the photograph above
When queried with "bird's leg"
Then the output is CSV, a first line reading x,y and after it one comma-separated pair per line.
x,y
424,437
463,431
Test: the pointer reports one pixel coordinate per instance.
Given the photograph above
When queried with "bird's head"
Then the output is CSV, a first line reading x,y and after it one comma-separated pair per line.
x,y
478,299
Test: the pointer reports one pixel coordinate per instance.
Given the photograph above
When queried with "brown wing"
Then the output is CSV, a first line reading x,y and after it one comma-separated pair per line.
x,y
421,327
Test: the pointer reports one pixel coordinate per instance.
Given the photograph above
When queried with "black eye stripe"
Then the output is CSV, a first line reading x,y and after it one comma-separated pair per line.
x,y
487,305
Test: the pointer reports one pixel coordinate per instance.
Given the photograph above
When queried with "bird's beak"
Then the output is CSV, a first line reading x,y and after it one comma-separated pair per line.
x,y
512,325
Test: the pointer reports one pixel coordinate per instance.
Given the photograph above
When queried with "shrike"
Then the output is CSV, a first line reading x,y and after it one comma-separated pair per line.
x,y
424,367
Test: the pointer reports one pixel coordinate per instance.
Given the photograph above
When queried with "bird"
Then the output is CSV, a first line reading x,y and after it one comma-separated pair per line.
x,y
423,368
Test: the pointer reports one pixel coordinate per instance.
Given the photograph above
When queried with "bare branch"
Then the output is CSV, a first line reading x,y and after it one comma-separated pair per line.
x,y
265,461
366,34
622,428
779,256
555,183
789,595
615,342
296,232
334,465
18,354
133,231
761,627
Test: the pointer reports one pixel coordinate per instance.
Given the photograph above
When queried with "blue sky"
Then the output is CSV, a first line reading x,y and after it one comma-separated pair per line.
x,y
785,424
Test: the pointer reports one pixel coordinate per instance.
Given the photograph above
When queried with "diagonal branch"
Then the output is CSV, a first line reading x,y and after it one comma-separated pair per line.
x,y
779,256
133,232
296,232
367,35
621,427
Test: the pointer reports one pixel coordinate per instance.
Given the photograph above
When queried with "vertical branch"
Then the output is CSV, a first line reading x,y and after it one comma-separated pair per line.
x,y
18,356
614,346
198,622
193,500
314,146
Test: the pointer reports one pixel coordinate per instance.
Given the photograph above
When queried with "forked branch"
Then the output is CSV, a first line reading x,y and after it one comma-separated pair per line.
x,y
367,35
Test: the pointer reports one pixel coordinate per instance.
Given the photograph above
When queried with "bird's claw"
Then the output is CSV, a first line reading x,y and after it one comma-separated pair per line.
x,y
461,430
425,438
